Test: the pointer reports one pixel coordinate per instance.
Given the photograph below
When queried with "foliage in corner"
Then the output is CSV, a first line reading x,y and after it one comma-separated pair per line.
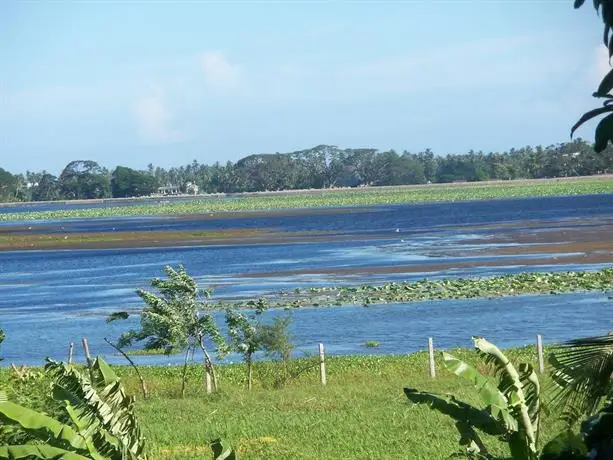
x,y
604,129
512,405
582,374
102,424
582,370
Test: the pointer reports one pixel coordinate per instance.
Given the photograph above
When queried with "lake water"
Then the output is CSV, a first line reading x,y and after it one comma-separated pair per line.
x,y
50,298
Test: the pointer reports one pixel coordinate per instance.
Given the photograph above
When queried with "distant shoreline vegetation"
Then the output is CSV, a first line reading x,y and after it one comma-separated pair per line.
x,y
362,196
320,167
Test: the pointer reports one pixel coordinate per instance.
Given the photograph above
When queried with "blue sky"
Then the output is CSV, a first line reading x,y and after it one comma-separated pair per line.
x,y
135,82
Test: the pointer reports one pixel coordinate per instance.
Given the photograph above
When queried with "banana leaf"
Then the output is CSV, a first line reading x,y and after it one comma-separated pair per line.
x,y
30,451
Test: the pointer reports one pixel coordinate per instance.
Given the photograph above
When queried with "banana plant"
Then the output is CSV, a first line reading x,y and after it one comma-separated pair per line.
x,y
512,404
102,425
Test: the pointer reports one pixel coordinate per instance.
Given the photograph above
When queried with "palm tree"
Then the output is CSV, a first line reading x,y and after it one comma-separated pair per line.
x,y
582,372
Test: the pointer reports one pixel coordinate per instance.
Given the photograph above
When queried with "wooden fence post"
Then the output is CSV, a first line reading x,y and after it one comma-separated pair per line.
x,y
70,350
431,358
322,364
208,380
539,351
87,355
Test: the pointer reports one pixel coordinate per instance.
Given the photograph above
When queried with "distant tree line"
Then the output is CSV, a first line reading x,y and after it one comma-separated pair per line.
x,y
323,166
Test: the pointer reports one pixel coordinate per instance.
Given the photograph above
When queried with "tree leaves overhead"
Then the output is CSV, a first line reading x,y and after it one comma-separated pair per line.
x,y
606,12
606,85
604,130
589,115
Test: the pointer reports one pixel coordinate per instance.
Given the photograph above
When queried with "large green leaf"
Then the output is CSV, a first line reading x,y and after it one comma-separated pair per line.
x,y
532,391
512,387
582,373
486,387
103,374
39,451
589,115
604,133
606,85
103,411
42,426
83,406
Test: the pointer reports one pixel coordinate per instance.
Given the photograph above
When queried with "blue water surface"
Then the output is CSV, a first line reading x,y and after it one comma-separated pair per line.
x,y
49,298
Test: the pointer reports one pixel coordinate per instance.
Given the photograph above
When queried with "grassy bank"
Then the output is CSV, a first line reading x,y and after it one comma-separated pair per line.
x,y
345,197
361,413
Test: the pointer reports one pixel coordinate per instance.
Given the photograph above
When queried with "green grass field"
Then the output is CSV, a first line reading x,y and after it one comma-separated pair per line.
x,y
345,197
361,414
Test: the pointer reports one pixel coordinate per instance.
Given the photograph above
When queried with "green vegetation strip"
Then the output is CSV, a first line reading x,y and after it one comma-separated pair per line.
x,y
450,288
335,198
361,413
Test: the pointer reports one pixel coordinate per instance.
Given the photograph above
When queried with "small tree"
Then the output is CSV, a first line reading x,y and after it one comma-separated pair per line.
x,y
249,335
178,318
2,336
276,340
244,337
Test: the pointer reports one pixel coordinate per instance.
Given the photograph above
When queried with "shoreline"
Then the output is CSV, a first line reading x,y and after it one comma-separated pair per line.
x,y
317,190
297,200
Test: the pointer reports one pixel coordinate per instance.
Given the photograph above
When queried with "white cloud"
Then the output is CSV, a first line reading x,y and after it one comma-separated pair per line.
x,y
155,119
219,73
